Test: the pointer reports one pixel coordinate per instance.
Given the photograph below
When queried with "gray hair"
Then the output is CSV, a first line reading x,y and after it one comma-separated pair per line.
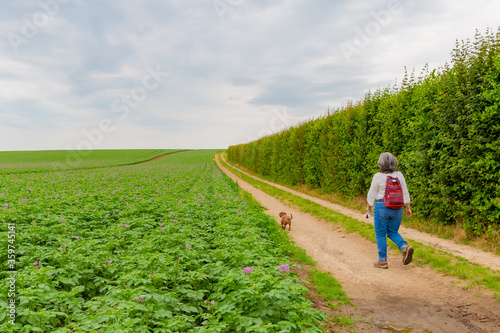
x,y
387,163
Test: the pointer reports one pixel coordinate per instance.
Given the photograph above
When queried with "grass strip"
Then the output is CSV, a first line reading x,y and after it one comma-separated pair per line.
x,y
471,273
330,289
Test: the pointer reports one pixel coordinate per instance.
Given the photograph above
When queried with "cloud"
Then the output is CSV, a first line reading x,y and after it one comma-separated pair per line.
x,y
237,69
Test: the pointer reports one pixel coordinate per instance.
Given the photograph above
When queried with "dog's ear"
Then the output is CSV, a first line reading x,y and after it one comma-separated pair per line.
x,y
282,214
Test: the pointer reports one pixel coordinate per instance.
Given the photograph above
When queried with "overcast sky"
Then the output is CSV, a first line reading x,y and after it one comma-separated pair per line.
x,y
99,74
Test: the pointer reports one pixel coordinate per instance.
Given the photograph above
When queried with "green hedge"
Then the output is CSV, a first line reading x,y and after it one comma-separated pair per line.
x,y
444,128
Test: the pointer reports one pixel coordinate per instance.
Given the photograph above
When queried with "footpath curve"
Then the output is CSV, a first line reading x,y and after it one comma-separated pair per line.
x,y
399,299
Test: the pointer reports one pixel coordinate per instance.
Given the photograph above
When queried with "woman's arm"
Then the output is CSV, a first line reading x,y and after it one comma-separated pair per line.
x,y
372,193
404,187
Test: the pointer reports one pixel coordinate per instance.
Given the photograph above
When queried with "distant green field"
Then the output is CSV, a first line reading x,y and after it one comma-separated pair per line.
x,y
51,160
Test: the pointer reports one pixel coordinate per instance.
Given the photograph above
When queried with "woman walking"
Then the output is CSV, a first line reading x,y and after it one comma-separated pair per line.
x,y
388,220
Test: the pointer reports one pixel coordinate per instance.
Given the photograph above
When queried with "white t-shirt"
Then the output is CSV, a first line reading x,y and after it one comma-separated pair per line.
x,y
377,189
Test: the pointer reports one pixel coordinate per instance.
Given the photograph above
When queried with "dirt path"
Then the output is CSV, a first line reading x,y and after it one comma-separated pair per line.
x,y
470,253
399,299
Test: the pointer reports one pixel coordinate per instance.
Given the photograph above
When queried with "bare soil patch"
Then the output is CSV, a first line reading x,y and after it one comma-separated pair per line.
x,y
156,158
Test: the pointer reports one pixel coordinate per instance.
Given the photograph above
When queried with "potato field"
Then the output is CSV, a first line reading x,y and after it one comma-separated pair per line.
x,y
171,245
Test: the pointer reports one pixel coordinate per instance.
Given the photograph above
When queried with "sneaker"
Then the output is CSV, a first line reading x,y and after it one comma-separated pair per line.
x,y
381,264
407,254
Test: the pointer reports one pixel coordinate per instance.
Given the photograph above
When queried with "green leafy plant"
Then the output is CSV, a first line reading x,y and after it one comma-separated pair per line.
x,y
154,247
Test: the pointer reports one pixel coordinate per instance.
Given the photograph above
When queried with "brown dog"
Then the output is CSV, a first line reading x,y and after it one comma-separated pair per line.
x,y
285,219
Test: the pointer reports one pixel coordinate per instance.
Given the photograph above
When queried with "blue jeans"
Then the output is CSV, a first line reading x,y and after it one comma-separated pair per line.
x,y
387,222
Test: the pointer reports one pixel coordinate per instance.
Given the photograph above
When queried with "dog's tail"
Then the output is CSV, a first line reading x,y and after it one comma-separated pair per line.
x,y
291,216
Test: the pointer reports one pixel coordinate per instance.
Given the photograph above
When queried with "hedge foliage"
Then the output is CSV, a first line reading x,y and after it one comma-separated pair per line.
x,y
444,128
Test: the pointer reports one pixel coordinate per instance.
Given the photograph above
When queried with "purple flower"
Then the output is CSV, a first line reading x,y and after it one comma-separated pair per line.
x,y
175,221
140,299
284,268
188,246
247,270
171,213
108,262
37,263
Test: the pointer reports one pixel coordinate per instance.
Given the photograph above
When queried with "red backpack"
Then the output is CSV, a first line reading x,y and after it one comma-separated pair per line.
x,y
393,197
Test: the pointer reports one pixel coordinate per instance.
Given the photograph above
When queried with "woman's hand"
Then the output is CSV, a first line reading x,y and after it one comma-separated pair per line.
x,y
408,211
